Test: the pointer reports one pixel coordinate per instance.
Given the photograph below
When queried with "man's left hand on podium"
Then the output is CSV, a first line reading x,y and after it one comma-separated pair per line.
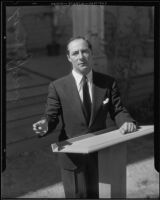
x,y
128,127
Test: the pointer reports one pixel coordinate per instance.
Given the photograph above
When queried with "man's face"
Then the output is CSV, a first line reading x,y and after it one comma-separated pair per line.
x,y
80,56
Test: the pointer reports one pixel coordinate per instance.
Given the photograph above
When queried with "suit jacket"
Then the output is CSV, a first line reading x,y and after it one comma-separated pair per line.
x,y
64,102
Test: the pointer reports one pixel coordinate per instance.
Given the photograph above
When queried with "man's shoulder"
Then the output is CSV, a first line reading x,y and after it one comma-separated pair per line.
x,y
61,80
103,79
103,75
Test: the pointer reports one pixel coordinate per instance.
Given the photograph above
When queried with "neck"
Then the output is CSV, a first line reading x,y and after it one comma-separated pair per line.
x,y
83,73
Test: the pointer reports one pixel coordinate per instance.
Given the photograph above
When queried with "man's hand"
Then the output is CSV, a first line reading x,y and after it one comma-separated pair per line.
x,y
40,127
128,127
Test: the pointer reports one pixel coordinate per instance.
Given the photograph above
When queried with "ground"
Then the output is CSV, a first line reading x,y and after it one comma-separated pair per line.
x,y
36,174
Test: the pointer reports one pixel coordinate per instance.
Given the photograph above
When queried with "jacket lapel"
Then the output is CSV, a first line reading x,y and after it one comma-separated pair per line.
x,y
98,97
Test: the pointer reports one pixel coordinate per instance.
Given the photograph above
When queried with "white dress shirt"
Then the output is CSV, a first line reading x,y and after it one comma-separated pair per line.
x,y
78,79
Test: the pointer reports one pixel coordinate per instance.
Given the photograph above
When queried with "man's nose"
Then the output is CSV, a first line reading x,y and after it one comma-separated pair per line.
x,y
80,55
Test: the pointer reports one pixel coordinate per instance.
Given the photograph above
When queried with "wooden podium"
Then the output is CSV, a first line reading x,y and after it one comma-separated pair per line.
x,y
111,148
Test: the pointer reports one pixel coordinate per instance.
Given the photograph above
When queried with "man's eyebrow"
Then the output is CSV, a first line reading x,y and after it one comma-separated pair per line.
x,y
86,49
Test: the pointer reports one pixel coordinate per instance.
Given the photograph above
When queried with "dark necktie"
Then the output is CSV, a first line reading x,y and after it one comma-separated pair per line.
x,y
86,99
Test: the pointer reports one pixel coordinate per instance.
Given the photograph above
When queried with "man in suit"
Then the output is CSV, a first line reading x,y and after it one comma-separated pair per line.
x,y
82,101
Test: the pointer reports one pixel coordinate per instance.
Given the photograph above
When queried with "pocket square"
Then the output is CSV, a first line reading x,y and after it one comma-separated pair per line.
x,y
105,101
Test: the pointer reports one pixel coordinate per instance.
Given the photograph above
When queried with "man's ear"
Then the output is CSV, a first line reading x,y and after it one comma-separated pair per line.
x,y
68,57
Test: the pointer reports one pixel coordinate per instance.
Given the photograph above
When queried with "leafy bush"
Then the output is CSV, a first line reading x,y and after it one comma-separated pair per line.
x,y
143,111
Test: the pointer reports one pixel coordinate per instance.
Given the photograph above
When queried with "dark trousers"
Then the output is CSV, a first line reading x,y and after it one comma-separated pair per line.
x,y
83,181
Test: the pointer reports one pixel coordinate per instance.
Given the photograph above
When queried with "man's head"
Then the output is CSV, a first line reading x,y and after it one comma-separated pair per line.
x,y
80,54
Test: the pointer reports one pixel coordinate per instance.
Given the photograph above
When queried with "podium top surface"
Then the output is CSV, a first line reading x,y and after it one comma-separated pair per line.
x,y
93,142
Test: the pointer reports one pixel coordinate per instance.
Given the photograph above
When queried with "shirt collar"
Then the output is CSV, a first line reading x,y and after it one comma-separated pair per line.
x,y
78,76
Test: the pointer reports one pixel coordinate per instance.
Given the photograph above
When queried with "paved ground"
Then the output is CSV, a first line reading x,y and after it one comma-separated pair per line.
x,y
36,174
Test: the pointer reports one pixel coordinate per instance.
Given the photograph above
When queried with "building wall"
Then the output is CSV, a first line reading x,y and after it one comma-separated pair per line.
x,y
42,25
35,22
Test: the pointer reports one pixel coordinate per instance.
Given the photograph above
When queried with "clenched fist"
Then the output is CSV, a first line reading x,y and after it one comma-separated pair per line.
x,y
41,127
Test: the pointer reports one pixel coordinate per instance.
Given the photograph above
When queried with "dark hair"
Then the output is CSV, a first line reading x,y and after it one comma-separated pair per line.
x,y
76,38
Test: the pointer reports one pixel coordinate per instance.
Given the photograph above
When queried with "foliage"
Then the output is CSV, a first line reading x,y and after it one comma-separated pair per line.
x,y
125,51
16,54
143,111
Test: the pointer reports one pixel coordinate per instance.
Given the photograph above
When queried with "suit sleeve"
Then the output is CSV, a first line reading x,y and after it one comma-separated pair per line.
x,y
117,111
52,108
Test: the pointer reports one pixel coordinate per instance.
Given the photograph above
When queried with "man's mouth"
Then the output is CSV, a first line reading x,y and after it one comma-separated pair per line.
x,y
82,63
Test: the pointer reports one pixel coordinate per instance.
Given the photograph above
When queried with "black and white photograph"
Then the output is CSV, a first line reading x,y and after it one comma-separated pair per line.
x,y
79,100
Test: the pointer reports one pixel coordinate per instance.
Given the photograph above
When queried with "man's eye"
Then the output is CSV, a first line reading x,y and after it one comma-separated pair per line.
x,y
85,51
74,53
